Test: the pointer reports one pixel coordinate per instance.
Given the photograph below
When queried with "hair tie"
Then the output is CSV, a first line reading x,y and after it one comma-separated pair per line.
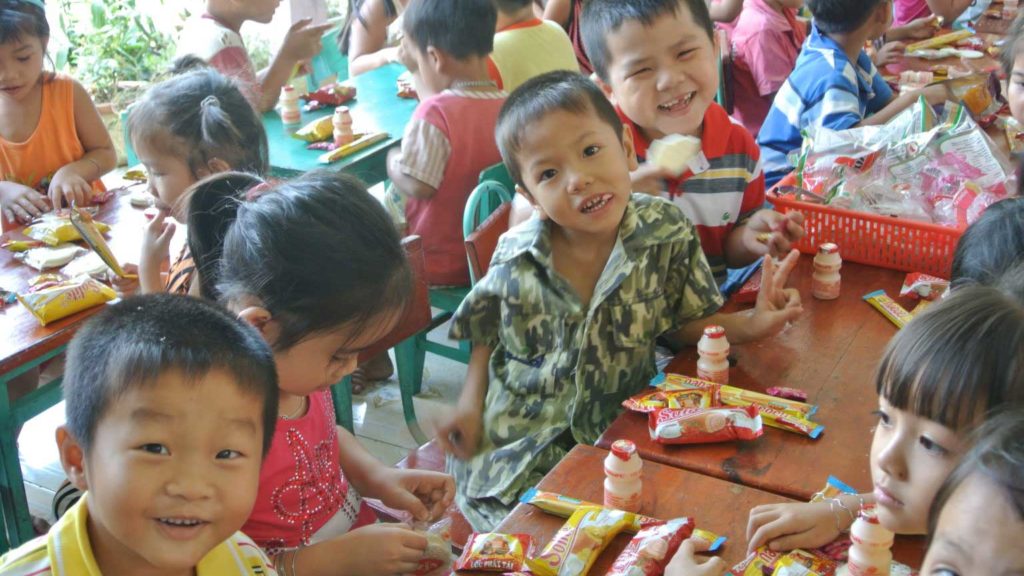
x,y
257,191
210,100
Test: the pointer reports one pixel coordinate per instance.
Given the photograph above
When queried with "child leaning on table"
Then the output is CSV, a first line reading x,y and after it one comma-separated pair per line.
x,y
976,524
52,140
316,266
834,83
170,410
214,37
450,138
657,60
185,129
940,377
564,323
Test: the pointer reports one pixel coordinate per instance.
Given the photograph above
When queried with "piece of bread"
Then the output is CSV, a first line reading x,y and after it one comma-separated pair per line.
x,y
674,152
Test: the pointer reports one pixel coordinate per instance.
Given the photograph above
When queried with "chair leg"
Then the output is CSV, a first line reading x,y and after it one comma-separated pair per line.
x,y
409,356
342,395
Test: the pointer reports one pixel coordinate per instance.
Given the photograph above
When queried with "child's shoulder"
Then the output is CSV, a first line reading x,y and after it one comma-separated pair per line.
x,y
205,37
656,220
31,558
724,135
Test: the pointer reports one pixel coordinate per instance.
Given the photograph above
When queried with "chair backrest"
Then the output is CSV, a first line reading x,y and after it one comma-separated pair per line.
x,y
498,173
484,200
481,243
329,62
417,314
724,97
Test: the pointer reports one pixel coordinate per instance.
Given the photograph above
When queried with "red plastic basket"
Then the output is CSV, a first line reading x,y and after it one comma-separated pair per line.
x,y
884,241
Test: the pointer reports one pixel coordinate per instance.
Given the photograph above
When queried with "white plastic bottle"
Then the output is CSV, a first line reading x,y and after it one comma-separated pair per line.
x,y
871,551
342,122
290,113
713,349
623,488
826,281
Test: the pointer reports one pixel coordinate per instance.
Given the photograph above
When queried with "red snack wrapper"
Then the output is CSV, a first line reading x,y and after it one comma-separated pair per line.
x,y
918,285
493,552
702,426
655,399
333,95
758,563
788,393
749,291
650,550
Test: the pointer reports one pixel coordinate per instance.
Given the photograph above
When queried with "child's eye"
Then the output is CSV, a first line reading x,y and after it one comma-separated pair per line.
x,y
933,446
228,454
944,572
547,175
24,58
155,449
591,150
685,53
883,418
638,72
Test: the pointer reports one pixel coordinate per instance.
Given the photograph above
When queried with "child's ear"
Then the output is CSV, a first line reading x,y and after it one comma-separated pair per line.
x,y
629,147
72,458
438,59
216,166
262,320
537,208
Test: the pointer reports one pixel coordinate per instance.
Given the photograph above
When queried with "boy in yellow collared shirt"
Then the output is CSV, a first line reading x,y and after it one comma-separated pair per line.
x,y
171,404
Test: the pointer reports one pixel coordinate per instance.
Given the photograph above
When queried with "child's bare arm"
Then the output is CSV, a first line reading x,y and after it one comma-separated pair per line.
x,y
949,9
460,434
558,11
366,42
300,44
936,94
783,527
406,184
377,549
724,10
74,181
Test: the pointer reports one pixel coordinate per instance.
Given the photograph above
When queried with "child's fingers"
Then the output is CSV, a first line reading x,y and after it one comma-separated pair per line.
x,y
413,542
38,201
781,274
713,566
766,533
759,516
300,24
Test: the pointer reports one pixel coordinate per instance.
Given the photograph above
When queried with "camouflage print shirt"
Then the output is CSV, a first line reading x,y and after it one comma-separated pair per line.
x,y
558,365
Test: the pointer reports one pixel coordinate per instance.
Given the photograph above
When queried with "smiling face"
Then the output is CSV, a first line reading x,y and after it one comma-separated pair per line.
x,y
979,533
910,458
576,171
172,472
663,76
21,66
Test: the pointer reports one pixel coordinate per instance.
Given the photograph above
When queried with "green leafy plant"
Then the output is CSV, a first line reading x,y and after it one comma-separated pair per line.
x,y
115,50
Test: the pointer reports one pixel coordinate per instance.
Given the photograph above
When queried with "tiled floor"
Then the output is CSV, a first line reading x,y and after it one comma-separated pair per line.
x,y
379,421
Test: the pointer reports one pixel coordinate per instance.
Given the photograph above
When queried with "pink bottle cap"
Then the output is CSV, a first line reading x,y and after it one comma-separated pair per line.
x,y
828,248
869,514
623,449
714,331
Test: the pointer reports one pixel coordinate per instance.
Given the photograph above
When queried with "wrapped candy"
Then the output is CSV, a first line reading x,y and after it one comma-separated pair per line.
x,y
652,548
787,393
918,285
895,313
652,400
65,299
579,542
739,397
331,95
493,552
701,426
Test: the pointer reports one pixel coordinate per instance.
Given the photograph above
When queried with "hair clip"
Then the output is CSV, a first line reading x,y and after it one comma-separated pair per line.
x,y
256,191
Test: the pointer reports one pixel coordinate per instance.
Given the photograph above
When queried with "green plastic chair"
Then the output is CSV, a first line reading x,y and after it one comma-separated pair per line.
x,y
499,174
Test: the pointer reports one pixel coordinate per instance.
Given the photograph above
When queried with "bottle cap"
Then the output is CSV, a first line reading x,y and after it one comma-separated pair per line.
x,y
714,331
828,248
869,514
623,449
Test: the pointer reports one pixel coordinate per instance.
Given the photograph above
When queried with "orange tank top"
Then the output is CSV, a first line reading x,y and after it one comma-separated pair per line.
x,y
53,144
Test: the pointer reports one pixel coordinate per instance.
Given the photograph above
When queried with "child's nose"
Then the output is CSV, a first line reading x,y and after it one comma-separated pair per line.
x,y
892,459
578,181
190,483
668,77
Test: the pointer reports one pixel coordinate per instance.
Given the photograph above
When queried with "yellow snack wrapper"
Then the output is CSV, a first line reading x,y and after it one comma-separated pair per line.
x,y
55,231
87,228
66,299
315,131
896,314
940,40
22,245
579,542
739,397
356,145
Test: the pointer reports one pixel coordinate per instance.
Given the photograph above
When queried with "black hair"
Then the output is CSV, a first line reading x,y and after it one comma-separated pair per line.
x,y
318,252
997,453
18,18
1013,45
355,12
130,344
199,116
212,208
841,16
539,96
604,17
462,28
991,245
510,6
959,359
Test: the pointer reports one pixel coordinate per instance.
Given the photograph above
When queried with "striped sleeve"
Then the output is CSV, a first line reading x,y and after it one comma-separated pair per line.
x,y
753,193
31,559
425,152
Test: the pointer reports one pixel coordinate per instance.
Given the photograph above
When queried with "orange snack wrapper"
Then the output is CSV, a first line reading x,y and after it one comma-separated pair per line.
x,y
65,299
655,399
579,542
494,552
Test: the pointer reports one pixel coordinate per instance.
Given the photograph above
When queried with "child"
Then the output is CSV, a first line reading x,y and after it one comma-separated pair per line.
x,y
990,246
564,323
526,46
834,84
450,138
214,37
52,140
1013,66
938,379
184,129
977,521
170,411
316,266
765,43
567,14
657,60
907,11
371,34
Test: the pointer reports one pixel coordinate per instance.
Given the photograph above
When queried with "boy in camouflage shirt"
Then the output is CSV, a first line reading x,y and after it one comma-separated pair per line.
x,y
564,324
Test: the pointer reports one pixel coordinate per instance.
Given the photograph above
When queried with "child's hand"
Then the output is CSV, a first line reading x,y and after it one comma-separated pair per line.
x,y
384,548
922,28
685,563
460,434
936,94
302,41
125,286
784,527
423,493
156,243
889,53
776,305
782,231
649,178
68,186
21,203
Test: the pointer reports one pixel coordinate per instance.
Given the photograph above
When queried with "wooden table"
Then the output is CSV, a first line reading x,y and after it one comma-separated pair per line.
x,y
716,505
831,352
376,107
26,344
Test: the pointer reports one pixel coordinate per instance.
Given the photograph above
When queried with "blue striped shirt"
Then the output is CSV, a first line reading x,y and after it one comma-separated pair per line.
x,y
824,89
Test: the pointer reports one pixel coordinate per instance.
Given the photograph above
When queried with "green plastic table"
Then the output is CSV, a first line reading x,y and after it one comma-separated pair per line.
x,y
376,107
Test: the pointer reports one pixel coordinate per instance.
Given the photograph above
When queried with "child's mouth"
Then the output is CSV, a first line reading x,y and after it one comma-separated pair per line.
x,y
678,104
181,522
181,528
595,203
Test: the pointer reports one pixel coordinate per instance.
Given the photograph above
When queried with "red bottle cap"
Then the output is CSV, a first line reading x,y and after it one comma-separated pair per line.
x,y
869,514
714,331
623,449
828,248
